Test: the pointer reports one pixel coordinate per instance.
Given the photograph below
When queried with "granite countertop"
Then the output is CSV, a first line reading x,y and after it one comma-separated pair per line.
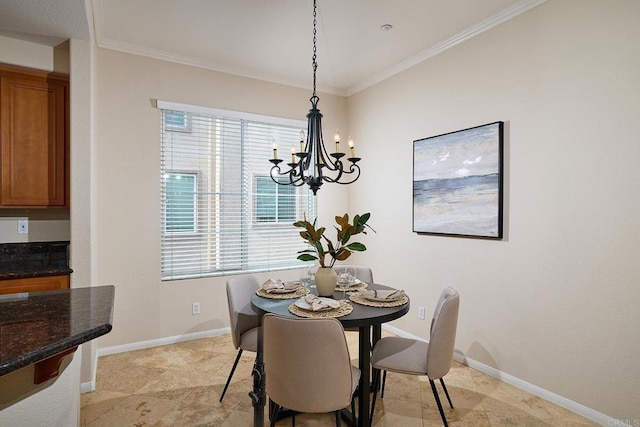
x,y
34,259
34,272
37,325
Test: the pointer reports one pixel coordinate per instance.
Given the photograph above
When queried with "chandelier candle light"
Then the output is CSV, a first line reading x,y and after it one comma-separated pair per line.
x,y
313,165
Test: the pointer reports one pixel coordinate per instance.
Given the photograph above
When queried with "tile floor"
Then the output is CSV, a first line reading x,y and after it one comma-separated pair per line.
x,y
180,384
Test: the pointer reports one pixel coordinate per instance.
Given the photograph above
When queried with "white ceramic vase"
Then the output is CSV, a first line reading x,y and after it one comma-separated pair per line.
x,y
326,280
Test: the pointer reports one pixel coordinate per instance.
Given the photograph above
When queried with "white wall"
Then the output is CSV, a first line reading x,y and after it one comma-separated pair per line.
x,y
128,186
82,186
555,303
26,54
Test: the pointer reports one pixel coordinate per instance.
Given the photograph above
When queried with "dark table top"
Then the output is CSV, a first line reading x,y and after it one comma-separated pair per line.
x,y
361,315
37,325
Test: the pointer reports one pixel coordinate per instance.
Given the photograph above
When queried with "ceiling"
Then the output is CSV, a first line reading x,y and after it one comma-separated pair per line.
x,y
267,39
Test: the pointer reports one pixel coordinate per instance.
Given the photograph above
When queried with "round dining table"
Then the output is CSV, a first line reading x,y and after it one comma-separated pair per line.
x,y
367,319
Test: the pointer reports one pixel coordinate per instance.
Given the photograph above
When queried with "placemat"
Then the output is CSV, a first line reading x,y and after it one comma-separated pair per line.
x,y
297,294
356,287
344,309
359,299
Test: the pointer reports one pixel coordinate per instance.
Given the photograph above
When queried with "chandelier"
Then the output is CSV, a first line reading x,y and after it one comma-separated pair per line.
x,y
313,164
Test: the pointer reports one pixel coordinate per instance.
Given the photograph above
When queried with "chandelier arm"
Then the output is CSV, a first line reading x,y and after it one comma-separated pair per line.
x,y
338,168
294,178
352,170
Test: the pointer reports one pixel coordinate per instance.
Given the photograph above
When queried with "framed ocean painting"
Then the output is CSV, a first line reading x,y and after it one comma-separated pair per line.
x,y
458,183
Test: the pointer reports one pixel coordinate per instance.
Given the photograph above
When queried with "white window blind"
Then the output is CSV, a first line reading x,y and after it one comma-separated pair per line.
x,y
220,211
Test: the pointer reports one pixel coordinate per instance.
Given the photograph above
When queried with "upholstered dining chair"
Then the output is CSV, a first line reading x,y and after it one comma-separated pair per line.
x,y
243,320
307,366
415,357
363,274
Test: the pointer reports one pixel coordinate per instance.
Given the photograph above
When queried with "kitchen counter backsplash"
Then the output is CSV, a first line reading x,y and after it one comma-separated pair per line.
x,y
20,260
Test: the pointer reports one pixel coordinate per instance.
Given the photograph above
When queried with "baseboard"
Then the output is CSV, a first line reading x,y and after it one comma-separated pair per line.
x,y
547,395
87,387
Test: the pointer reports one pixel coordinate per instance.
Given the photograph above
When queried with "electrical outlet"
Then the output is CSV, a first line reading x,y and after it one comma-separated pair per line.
x,y
421,312
195,308
23,226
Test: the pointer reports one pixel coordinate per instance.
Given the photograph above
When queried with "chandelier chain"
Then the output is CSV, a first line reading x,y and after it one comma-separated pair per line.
x,y
314,62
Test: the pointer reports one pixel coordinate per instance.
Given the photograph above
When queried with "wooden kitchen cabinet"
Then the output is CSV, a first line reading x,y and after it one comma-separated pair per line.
x,y
34,284
34,138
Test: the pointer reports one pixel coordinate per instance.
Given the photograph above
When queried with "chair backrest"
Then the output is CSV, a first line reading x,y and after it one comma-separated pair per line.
x,y
443,334
307,363
241,315
363,274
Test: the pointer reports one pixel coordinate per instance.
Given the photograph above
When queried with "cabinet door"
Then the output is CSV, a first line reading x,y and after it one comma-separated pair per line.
x,y
32,123
34,284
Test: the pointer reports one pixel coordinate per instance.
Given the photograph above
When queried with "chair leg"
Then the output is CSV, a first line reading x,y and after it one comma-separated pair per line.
x,y
353,407
274,414
435,394
384,381
338,419
444,387
233,369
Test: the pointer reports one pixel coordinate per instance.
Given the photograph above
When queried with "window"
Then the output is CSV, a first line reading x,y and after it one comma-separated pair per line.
x,y
274,203
177,121
221,212
180,205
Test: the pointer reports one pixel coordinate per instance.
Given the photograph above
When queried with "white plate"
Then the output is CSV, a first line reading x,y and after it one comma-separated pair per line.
x,y
303,304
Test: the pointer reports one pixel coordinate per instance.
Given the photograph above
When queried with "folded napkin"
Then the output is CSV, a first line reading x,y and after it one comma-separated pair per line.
x,y
273,286
318,304
391,294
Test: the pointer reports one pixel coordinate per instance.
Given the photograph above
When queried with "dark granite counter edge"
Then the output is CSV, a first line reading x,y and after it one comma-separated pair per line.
x,y
37,273
15,309
58,347
34,259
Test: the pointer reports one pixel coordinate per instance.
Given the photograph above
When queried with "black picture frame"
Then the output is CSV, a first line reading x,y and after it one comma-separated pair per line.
x,y
458,183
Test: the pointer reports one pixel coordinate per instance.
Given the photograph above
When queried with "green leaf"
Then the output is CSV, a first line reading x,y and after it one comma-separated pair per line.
x,y
346,235
307,257
357,246
307,251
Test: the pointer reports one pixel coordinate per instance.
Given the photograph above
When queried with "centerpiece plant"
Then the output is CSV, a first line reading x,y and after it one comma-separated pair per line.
x,y
340,250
